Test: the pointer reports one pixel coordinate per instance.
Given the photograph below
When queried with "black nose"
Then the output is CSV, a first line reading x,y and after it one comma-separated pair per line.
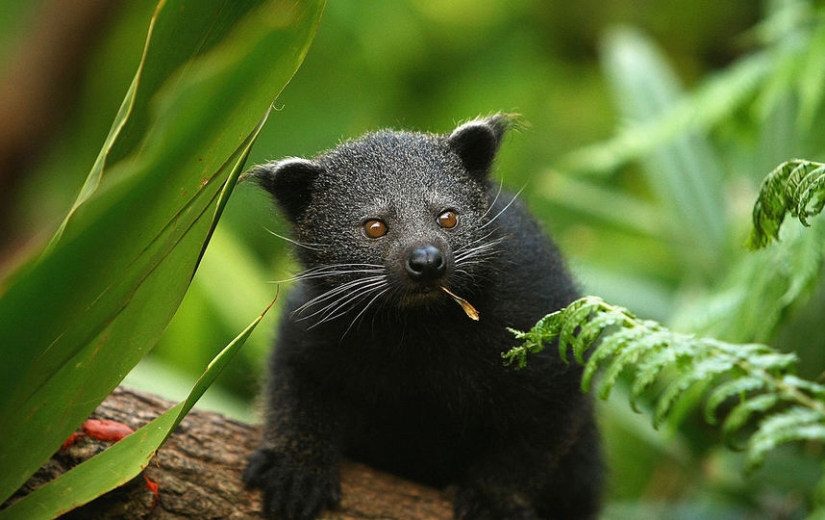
x,y
426,263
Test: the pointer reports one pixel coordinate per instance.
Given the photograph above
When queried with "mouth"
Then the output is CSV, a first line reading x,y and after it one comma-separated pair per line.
x,y
437,293
424,295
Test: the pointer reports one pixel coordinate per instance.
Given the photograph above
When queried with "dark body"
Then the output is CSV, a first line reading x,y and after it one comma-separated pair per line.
x,y
400,377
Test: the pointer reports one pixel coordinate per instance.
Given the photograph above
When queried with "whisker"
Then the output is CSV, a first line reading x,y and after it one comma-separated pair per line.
x,y
476,253
313,247
341,272
342,269
331,271
495,199
340,307
353,285
367,306
505,208
479,244
336,266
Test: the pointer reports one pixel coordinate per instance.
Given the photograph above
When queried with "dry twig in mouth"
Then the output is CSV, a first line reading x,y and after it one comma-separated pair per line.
x,y
468,309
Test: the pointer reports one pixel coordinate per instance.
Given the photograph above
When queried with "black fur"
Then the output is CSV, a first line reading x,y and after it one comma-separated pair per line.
x,y
388,369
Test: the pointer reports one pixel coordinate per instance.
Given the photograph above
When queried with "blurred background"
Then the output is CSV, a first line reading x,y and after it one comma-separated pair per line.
x,y
648,126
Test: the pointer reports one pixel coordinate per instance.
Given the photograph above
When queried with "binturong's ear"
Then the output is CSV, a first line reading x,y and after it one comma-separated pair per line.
x,y
477,142
289,181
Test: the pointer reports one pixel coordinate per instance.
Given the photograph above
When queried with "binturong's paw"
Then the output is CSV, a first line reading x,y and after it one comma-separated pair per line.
x,y
472,503
292,490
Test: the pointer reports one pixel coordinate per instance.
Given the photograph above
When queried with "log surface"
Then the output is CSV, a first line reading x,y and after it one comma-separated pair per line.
x,y
198,473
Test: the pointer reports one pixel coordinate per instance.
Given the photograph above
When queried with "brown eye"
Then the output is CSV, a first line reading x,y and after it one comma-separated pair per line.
x,y
448,219
375,228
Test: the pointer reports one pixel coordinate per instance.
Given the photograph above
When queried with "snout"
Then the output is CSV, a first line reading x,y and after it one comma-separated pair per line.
x,y
425,263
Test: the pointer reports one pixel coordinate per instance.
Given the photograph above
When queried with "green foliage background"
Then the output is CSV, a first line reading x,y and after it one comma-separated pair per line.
x,y
650,128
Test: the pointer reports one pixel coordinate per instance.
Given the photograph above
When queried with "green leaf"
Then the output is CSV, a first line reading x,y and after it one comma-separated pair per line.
x,y
750,304
701,372
733,388
794,424
691,368
73,323
715,100
743,411
122,461
812,82
685,172
573,315
791,187
760,287
590,332
815,389
661,355
612,346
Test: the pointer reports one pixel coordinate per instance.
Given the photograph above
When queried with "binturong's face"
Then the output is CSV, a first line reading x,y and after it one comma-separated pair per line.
x,y
391,220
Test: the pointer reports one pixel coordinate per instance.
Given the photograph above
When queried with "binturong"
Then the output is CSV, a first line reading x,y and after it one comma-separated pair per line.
x,y
415,263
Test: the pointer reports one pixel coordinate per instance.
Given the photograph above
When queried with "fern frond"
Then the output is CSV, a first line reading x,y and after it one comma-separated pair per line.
x,y
591,331
547,327
742,412
796,187
794,424
816,390
781,406
627,351
702,371
734,388
649,369
570,329
714,101
750,303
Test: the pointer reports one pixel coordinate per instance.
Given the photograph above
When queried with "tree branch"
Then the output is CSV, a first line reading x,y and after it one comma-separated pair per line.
x,y
198,473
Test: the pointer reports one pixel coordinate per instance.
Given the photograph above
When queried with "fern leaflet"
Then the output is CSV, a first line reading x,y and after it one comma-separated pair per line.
x,y
796,187
758,381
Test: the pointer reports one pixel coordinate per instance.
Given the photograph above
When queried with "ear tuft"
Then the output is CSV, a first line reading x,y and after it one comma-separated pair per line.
x,y
289,181
477,142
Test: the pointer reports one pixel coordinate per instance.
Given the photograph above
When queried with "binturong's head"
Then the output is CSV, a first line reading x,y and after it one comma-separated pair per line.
x,y
391,219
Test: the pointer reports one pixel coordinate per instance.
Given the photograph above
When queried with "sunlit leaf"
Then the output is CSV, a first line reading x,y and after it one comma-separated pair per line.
x,y
73,323
124,460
